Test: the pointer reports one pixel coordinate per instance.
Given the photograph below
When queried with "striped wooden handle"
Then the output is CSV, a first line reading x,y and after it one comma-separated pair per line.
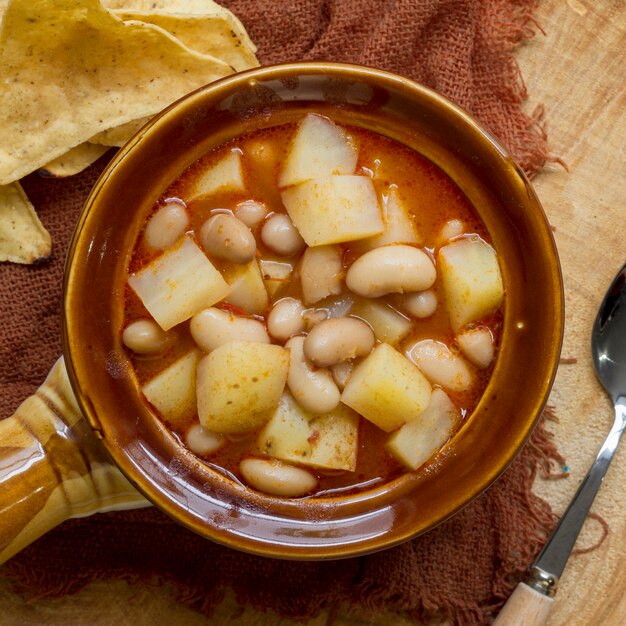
x,y
53,468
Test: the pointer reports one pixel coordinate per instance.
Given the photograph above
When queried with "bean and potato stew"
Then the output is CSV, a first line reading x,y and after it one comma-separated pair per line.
x,y
313,309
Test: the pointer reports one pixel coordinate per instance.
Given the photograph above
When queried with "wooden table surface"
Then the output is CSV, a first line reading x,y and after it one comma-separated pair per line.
x,y
577,71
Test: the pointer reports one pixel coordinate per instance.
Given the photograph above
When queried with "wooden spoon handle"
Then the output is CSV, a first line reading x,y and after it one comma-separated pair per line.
x,y
52,467
525,607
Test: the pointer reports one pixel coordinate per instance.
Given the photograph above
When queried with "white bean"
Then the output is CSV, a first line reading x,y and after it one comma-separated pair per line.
x,y
339,339
202,441
450,230
321,273
250,212
226,237
313,388
440,365
276,478
477,346
281,236
341,372
418,304
285,319
212,328
145,337
391,269
166,226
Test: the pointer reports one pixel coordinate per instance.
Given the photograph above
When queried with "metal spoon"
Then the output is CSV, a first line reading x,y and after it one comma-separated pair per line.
x,y
531,602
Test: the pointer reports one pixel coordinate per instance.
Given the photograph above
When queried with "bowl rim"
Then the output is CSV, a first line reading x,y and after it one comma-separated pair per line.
x,y
223,86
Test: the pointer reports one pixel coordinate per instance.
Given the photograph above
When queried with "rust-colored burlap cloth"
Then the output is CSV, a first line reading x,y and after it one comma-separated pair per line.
x,y
463,569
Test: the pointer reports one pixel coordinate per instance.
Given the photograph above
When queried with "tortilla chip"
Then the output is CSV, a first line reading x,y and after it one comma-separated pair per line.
x,y
73,161
119,135
23,239
184,7
202,25
217,34
79,70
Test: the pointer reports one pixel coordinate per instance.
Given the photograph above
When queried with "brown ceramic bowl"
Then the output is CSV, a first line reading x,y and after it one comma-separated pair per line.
x,y
320,527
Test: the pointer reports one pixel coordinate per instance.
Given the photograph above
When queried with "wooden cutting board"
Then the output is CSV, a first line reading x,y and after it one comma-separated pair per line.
x,y
577,71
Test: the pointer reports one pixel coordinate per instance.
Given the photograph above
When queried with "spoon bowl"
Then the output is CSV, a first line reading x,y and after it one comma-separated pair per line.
x,y
608,339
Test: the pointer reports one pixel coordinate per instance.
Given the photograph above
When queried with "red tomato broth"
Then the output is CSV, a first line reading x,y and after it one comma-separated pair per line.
x,y
432,199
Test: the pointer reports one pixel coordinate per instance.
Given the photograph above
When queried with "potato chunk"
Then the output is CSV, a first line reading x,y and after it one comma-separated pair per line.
x,y
286,434
173,391
388,325
477,346
420,438
387,389
333,209
471,280
319,148
178,284
239,384
399,227
321,273
226,175
329,440
247,290
276,276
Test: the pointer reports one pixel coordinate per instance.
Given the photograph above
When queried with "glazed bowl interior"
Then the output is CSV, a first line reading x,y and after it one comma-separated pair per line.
x,y
208,501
